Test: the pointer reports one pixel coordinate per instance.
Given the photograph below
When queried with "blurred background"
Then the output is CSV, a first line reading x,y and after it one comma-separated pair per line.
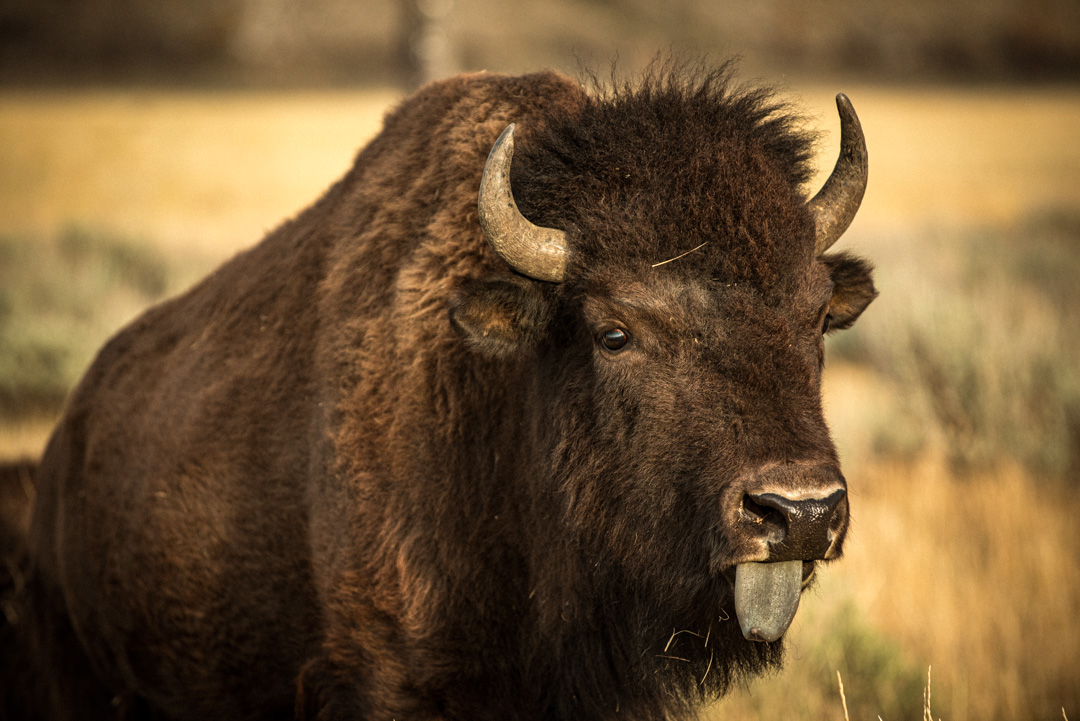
x,y
143,143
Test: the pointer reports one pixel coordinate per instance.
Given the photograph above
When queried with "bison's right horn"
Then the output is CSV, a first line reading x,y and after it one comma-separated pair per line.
x,y
531,250
835,205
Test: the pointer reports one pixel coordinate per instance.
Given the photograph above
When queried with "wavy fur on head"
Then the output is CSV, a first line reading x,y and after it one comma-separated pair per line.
x,y
367,461
671,155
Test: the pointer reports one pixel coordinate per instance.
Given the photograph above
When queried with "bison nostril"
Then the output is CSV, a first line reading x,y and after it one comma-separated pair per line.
x,y
809,509
761,514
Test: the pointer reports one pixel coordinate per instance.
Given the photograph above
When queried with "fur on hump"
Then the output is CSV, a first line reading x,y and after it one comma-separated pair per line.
x,y
652,168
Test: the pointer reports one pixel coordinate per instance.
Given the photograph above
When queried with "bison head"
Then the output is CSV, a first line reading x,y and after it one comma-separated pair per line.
x,y
668,308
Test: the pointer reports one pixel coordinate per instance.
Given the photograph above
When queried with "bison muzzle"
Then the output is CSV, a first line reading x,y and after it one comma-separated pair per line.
x,y
521,419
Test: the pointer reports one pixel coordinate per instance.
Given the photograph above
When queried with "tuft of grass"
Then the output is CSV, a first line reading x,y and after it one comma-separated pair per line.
x,y
60,299
883,680
979,574
927,714
843,697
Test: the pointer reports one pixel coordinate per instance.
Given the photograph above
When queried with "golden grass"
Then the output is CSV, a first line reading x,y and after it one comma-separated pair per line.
x,y
24,438
843,697
201,169
985,584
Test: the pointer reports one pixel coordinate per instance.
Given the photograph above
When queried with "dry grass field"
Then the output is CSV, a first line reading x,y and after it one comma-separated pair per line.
x,y
955,401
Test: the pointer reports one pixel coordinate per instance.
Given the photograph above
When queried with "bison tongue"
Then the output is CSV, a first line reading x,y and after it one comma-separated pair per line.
x,y
766,598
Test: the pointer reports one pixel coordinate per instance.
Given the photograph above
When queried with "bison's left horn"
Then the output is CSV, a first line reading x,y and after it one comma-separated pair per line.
x,y
835,205
531,250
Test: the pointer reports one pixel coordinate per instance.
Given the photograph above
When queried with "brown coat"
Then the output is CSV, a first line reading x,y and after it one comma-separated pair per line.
x,y
366,471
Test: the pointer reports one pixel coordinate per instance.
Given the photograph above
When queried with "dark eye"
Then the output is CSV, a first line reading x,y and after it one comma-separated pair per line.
x,y
825,325
614,339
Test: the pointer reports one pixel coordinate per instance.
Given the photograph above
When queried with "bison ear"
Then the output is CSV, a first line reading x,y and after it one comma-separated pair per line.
x,y
496,316
853,288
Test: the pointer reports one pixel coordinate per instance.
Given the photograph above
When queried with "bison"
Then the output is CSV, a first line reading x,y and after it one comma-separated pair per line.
x,y
521,419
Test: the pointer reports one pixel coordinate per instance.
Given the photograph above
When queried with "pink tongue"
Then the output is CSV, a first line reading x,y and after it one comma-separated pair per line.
x,y
766,598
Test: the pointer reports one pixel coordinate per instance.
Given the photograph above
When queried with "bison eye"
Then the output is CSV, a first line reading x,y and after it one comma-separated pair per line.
x,y
825,325
614,339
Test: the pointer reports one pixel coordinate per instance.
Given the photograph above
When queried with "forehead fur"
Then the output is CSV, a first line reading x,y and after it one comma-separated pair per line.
x,y
638,174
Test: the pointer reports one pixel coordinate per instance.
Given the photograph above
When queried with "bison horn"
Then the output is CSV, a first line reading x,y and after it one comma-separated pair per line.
x,y
835,205
531,250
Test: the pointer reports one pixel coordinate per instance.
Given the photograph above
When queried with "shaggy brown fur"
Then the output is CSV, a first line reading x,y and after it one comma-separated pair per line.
x,y
366,471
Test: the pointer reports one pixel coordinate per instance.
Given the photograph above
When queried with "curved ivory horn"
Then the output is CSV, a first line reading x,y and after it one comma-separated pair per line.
x,y
537,252
835,205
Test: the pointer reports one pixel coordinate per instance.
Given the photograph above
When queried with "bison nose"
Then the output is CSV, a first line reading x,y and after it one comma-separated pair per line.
x,y
795,529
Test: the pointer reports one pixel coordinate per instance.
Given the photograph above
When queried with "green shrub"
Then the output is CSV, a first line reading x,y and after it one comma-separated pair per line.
x,y
981,331
60,299
879,679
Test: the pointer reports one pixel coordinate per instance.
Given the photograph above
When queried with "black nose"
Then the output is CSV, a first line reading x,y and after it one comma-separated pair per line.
x,y
801,529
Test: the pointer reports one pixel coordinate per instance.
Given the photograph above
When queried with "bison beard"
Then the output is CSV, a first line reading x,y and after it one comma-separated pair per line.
x,y
374,468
